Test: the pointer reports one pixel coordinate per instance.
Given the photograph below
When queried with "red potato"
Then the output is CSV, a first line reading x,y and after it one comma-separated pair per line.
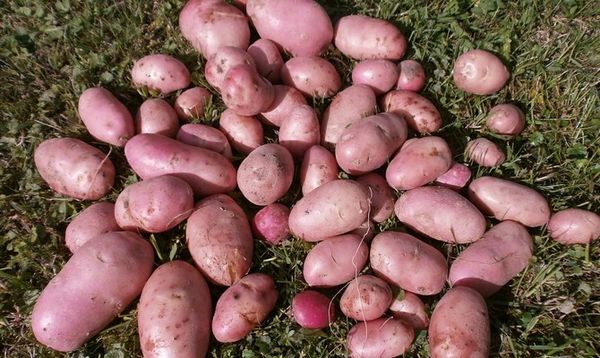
x,y
191,103
506,119
485,152
74,168
246,92
226,58
243,306
365,38
271,223
200,135
365,231
300,27
159,72
245,133
455,178
174,313
268,59
574,226
381,338
99,281
207,172
156,116
380,75
411,76
219,238
96,219
409,308
407,262
105,117
335,261
300,131
381,195
313,310
266,174
286,100
421,115
507,200
334,208
480,72
460,325
210,24
313,76
318,167
490,263
366,298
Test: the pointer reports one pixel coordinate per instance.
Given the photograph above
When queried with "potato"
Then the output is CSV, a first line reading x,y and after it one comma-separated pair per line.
x,y
488,264
246,92
409,308
411,76
480,72
485,152
99,281
191,103
365,38
574,226
210,24
507,200
455,178
266,174
365,231
419,162
245,133
505,119
380,75
313,76
243,306
368,144
105,117
366,298
156,116
271,223
382,197
318,167
159,72
332,209
154,205
300,27
335,261
96,219
174,312
286,100
268,59
200,135
380,338
313,310
74,168
421,115
349,106
207,172
407,262
460,325
222,61
300,131
219,238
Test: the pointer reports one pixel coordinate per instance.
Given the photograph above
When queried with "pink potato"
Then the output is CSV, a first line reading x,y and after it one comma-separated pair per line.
x,y
246,92
506,119
271,223
268,59
222,61
455,178
380,75
480,72
159,72
245,133
300,27
191,103
286,100
200,135
105,117
365,231
300,131
156,116
318,167
219,238
335,261
97,283
207,172
574,226
409,308
411,76
174,312
313,76
507,200
380,338
366,298
266,174
210,24
421,115
96,219
243,306
485,152
381,195
313,310
74,168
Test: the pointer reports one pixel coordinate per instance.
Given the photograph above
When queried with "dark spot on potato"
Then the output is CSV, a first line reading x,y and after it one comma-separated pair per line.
x,y
236,296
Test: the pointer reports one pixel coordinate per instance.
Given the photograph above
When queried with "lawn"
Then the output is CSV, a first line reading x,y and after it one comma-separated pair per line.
x,y
51,51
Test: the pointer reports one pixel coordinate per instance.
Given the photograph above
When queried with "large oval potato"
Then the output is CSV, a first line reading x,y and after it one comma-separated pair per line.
x,y
245,133
74,168
408,262
105,117
96,219
268,59
421,115
507,200
157,116
160,72
485,152
207,172
318,167
366,298
99,281
313,76
226,58
246,92
286,100
243,306
409,308
174,313
200,135
480,72
381,196
334,208
380,338
380,75
574,226
300,131
191,103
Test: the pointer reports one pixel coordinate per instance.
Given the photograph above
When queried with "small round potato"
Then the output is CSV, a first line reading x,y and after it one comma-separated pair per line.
x,y
245,133
381,196
105,117
574,226
380,338
191,103
480,72
286,100
268,59
300,131
96,219
409,308
366,298
246,92
506,119
380,75
455,178
156,116
200,135
226,58
313,310
160,72
485,152
313,76
421,115
411,76
318,167
271,223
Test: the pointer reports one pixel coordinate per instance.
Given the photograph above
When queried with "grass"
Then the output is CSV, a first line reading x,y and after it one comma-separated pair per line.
x,y
51,51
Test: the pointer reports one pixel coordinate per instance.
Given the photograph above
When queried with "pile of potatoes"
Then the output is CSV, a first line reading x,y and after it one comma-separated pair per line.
x,y
396,164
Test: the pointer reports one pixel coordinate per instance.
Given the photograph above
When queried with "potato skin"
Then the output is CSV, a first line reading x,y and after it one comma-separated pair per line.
x,y
175,312
410,309
300,131
207,172
318,167
99,281
313,310
380,338
460,326
243,306
366,298
156,116
245,133
408,262
191,103
286,100
246,92
421,115
222,61
480,72
271,223
332,209
380,75
506,119
574,226
411,76
455,178
268,59
507,200
105,117
382,197
313,76
74,168
160,72
485,152
207,137
96,219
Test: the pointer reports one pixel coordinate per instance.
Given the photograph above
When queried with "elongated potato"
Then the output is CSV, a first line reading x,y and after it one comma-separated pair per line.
x,y
380,338
409,308
381,195
380,75
485,152
156,116
313,76
480,72
200,135
160,72
105,117
226,58
96,219
246,92
455,178
191,103
245,133
421,115
300,131
366,298
574,226
318,167
506,119
411,76
174,312
286,100
268,59
99,281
